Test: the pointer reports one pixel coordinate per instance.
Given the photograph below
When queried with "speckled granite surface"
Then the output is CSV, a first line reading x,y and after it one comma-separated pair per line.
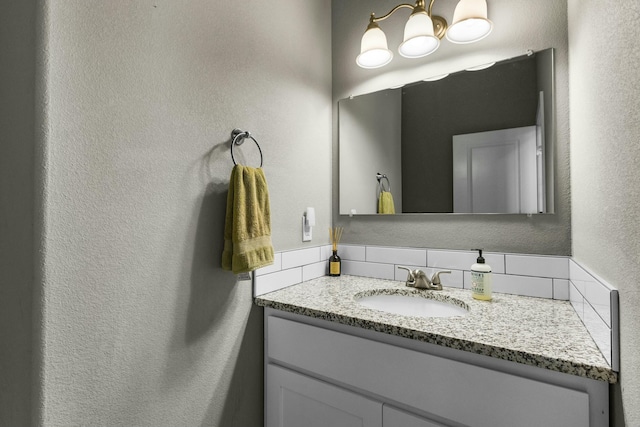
x,y
533,331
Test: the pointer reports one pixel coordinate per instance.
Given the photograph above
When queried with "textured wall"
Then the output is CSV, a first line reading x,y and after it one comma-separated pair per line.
x,y
514,32
140,326
605,165
17,71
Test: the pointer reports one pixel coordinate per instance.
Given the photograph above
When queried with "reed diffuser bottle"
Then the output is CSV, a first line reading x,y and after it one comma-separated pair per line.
x,y
335,265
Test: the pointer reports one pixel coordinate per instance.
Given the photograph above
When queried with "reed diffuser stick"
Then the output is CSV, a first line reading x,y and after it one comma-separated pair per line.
x,y
335,233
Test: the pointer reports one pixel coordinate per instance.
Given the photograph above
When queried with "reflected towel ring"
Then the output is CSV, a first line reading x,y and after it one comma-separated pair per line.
x,y
237,138
380,177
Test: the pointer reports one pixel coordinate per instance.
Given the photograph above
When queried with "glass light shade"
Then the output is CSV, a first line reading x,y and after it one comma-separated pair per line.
x,y
419,39
374,52
470,23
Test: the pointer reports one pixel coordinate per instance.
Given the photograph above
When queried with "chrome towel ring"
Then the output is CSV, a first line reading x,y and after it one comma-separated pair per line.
x,y
237,138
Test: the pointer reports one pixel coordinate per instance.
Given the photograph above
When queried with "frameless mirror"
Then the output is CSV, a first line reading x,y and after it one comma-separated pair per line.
x,y
476,141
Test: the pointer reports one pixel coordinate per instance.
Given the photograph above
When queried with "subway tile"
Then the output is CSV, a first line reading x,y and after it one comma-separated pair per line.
x,y
538,266
463,260
276,266
325,252
577,300
368,269
597,293
518,285
598,330
561,289
300,257
274,281
313,271
352,252
523,285
400,256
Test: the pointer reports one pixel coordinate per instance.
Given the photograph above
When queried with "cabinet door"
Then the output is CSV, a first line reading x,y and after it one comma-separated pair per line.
x,y
295,400
392,417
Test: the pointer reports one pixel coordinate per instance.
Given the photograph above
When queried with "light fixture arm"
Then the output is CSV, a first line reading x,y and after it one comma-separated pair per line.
x,y
430,7
439,23
373,17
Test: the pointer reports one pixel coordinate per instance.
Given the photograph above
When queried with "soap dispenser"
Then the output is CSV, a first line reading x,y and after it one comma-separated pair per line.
x,y
481,279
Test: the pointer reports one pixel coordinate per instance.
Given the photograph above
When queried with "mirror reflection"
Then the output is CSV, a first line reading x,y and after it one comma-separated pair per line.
x,y
471,142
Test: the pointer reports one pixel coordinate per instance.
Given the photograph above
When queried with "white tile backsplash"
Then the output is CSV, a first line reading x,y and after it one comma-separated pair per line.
x,y
598,310
561,289
352,252
325,252
463,260
278,280
599,331
300,257
369,269
540,266
400,256
539,287
595,292
276,266
313,271
577,300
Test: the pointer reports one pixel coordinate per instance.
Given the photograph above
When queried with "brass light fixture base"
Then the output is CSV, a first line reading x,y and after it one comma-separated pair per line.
x,y
439,26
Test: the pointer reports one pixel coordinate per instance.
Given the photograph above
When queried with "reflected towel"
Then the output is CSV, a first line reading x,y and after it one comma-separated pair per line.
x,y
247,228
385,203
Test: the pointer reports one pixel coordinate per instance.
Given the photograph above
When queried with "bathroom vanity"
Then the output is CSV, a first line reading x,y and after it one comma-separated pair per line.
x,y
514,361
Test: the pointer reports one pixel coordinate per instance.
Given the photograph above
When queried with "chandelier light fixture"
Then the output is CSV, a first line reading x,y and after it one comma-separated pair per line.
x,y
423,31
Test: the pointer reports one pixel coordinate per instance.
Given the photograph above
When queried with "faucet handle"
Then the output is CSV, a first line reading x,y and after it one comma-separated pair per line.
x,y
436,276
411,278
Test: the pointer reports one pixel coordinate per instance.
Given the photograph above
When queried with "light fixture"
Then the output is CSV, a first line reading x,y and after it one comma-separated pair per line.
x,y
423,31
374,52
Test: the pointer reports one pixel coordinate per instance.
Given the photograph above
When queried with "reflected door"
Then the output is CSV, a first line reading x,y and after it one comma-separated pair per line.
x,y
495,171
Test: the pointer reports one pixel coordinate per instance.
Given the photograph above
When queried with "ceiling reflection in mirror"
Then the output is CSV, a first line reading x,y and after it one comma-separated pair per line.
x,y
471,142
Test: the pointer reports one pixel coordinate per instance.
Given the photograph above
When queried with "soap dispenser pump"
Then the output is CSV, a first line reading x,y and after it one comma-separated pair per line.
x,y
481,279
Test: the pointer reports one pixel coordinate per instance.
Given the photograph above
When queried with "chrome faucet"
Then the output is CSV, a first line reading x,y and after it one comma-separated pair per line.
x,y
418,279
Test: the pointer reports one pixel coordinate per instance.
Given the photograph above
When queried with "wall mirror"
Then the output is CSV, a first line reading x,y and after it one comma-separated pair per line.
x,y
474,141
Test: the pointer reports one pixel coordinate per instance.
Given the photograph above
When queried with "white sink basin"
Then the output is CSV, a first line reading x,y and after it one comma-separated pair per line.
x,y
412,305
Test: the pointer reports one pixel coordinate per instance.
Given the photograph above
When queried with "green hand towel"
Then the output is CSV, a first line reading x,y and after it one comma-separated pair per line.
x,y
385,203
247,229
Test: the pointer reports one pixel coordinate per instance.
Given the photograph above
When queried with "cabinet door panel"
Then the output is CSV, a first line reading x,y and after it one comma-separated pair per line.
x,y
392,417
295,400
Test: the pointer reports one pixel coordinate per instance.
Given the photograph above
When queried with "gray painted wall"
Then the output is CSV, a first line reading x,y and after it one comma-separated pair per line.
x,y
605,167
17,80
136,322
514,32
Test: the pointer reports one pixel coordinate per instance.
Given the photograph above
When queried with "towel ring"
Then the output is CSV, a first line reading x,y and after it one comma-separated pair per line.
x,y
237,138
380,177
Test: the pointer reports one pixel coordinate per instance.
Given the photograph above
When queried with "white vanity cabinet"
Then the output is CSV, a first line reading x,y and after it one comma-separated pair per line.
x,y
320,373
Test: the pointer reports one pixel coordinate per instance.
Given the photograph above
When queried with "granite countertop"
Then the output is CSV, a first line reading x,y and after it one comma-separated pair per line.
x,y
533,331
